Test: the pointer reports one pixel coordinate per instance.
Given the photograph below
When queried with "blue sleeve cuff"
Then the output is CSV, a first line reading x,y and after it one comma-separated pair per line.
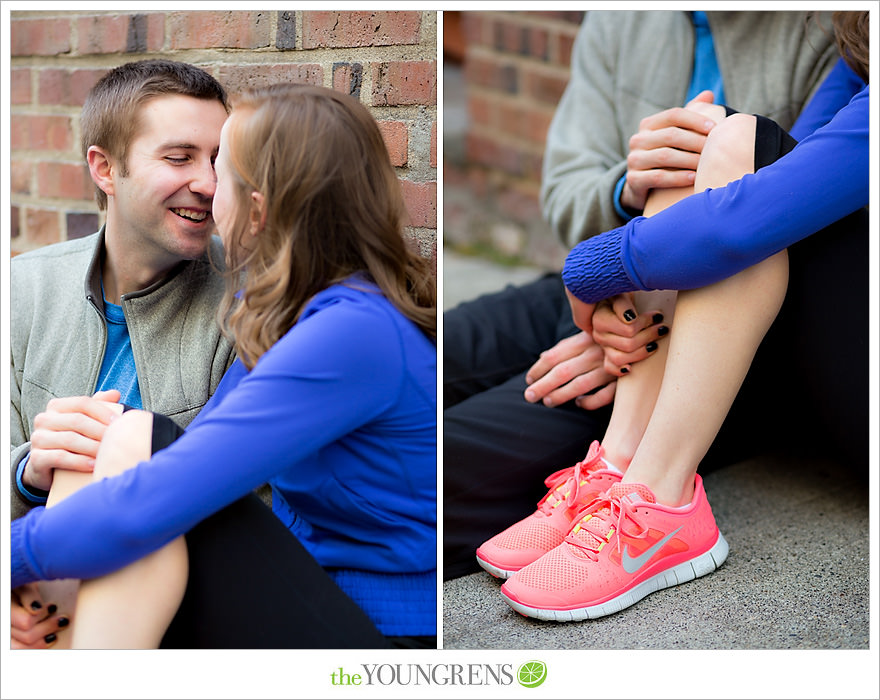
x,y
23,570
618,207
594,270
35,496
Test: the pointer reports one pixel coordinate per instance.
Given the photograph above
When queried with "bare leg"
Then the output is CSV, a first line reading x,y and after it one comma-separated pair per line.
x,y
63,592
717,331
637,392
132,607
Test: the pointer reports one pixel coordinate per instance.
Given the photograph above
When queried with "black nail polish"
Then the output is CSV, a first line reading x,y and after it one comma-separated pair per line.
x,y
36,605
651,347
658,318
63,622
624,370
629,315
662,330
52,609
49,638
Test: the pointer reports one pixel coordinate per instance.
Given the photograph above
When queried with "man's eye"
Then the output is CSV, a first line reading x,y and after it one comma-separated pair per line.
x,y
175,159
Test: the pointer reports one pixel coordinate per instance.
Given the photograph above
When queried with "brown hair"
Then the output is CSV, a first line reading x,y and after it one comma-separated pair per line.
x,y
851,34
332,207
110,115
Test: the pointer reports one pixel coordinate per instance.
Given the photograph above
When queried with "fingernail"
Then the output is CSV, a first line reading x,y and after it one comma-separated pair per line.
x,y
50,638
624,370
548,402
663,330
52,609
629,315
63,622
36,605
658,318
651,347
530,396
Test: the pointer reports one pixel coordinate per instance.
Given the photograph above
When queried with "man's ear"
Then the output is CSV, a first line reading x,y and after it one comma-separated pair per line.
x,y
258,212
101,168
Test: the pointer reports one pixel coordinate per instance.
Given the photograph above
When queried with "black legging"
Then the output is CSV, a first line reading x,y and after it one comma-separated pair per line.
x,y
806,389
253,585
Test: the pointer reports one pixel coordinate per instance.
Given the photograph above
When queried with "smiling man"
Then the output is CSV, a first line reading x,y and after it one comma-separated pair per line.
x,y
127,314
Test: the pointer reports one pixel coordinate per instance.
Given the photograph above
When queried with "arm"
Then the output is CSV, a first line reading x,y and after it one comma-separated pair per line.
x,y
20,503
325,378
833,95
581,165
717,233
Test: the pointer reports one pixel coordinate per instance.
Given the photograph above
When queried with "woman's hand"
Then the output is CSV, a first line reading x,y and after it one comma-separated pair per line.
x,y
35,623
625,336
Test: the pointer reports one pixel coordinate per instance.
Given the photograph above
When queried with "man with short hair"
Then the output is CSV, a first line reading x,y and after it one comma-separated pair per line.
x,y
126,315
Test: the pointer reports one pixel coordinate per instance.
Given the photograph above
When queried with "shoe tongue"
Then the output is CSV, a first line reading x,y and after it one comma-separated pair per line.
x,y
593,532
634,493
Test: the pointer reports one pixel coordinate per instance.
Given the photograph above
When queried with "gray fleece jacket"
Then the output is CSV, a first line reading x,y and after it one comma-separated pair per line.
x,y
58,336
629,65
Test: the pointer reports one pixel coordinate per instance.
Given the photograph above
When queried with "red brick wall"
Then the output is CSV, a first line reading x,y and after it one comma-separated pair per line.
x,y
387,59
515,68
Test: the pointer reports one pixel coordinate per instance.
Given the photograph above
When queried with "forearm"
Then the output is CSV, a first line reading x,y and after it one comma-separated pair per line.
x,y
584,155
715,234
579,206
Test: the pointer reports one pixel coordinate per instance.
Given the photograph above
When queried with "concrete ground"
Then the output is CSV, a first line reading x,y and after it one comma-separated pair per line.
x,y
797,576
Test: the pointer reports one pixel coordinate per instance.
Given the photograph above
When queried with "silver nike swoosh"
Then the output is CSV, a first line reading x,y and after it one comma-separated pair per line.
x,y
633,564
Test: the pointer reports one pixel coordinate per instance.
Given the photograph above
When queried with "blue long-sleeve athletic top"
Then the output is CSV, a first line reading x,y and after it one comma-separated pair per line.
x,y
714,234
339,416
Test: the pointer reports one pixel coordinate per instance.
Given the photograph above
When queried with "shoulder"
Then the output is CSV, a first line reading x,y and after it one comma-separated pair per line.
x,y
353,319
630,28
47,270
69,252
355,309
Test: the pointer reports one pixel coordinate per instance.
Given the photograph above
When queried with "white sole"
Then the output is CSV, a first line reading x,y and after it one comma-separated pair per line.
x,y
686,571
494,570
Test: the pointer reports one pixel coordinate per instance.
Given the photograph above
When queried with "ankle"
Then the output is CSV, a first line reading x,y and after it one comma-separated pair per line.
x,y
616,458
667,491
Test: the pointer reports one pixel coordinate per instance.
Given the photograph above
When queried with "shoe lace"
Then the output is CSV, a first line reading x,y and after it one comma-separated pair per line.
x,y
594,525
565,484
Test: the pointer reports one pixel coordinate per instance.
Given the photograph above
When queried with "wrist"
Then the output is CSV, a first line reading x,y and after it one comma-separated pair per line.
x,y
30,493
624,211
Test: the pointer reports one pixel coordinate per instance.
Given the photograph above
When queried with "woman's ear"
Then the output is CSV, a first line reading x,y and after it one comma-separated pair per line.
x,y
258,212
101,168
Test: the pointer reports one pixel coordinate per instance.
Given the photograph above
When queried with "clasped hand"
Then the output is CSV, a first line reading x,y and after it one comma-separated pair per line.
x,y
585,366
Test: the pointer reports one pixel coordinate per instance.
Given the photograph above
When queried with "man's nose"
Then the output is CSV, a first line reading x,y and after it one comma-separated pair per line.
x,y
204,181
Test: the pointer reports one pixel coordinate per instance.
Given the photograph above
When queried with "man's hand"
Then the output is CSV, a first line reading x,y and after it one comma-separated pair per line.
x,y
571,369
625,336
665,151
67,435
35,623
581,312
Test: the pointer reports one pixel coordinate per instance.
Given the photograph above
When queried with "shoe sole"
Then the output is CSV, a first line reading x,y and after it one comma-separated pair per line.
x,y
681,573
494,570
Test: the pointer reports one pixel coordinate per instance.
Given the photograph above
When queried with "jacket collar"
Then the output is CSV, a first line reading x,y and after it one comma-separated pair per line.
x,y
93,287
93,274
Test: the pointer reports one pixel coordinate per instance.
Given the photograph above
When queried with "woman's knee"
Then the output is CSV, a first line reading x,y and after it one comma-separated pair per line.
x,y
729,152
126,442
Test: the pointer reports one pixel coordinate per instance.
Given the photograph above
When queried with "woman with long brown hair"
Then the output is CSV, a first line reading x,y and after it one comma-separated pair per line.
x,y
332,402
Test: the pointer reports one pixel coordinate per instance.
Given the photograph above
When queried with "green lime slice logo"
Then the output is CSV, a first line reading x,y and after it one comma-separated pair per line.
x,y
531,674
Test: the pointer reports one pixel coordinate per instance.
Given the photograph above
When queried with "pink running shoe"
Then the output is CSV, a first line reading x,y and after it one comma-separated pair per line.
x,y
534,536
621,547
